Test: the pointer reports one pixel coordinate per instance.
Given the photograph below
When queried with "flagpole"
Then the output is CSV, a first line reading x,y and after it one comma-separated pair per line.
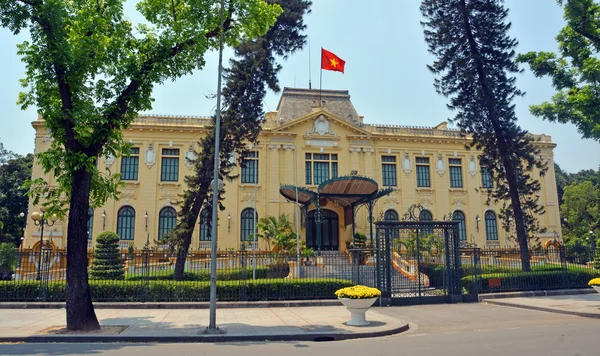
x,y
321,79
309,69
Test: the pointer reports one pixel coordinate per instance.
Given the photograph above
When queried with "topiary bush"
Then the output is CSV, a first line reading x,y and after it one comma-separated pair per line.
x,y
107,262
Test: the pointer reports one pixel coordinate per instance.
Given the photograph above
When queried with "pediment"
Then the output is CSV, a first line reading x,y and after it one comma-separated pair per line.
x,y
323,124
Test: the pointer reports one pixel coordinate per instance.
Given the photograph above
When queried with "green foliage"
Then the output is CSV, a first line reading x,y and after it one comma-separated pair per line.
x,y
581,209
14,171
222,275
575,278
107,262
278,232
161,291
475,68
8,259
574,70
360,240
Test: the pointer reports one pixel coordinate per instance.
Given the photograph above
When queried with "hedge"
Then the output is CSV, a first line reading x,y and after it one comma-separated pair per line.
x,y
535,280
161,291
223,275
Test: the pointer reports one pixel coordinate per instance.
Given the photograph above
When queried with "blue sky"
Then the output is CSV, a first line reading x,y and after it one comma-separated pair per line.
x,y
386,57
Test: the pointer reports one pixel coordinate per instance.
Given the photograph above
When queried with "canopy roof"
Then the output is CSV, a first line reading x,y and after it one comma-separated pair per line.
x,y
347,191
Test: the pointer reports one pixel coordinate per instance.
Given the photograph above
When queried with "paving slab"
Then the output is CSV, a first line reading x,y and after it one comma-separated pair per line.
x,y
586,305
180,325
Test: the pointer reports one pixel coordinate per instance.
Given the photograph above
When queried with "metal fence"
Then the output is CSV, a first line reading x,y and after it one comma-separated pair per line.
x,y
148,275
499,270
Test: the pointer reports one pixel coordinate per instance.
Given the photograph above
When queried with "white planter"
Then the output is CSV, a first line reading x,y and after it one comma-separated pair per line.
x,y
357,308
597,288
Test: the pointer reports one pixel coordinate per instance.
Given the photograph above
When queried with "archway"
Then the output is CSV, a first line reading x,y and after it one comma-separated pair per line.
x,y
330,233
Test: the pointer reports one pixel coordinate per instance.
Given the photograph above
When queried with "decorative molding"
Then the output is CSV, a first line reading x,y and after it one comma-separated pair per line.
x,y
406,163
289,147
368,151
472,166
274,147
321,127
150,155
440,165
190,156
354,150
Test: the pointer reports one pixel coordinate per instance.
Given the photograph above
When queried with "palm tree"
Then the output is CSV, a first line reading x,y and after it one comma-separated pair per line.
x,y
277,231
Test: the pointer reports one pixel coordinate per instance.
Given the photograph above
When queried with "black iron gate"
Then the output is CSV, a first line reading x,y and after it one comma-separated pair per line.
x,y
419,262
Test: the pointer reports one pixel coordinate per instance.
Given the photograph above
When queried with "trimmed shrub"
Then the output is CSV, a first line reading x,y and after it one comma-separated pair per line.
x,y
159,291
8,260
222,275
107,262
536,280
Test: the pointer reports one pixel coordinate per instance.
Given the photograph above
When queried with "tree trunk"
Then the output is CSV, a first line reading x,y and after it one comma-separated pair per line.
x,y
80,310
186,237
503,148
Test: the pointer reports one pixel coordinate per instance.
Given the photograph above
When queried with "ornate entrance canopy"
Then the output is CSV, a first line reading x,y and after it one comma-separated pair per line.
x,y
350,192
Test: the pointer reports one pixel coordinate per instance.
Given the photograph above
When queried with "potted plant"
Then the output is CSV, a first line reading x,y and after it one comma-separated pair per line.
x,y
308,253
358,300
595,283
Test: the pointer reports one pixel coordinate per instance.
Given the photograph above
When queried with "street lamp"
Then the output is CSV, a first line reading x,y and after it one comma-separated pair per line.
x,y
592,237
39,219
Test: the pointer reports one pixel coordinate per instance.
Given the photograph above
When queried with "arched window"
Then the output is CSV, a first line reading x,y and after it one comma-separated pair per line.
x,y
204,230
126,223
248,222
462,228
425,215
390,215
90,223
491,226
167,219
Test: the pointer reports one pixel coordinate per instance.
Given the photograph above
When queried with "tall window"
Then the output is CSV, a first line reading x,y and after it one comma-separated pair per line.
x,y
90,223
129,165
491,226
462,228
390,215
169,170
248,221
455,173
167,219
204,230
250,172
486,178
320,167
423,179
388,167
425,215
126,223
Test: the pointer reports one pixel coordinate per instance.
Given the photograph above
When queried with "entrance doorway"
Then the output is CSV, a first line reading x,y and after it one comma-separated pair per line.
x,y
329,231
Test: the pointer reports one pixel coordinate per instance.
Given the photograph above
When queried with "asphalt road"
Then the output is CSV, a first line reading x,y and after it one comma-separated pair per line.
x,y
449,330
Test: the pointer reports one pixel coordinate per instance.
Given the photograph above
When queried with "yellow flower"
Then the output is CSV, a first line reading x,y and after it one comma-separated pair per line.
x,y
594,282
358,292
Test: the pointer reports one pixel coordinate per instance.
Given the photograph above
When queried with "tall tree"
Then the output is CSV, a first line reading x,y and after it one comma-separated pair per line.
x,y
581,210
251,72
574,70
13,197
475,63
89,72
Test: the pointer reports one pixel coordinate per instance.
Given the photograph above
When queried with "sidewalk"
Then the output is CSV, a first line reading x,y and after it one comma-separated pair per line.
x,y
586,305
187,325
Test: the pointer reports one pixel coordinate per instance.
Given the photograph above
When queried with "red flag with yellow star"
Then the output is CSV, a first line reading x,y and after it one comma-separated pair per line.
x,y
330,61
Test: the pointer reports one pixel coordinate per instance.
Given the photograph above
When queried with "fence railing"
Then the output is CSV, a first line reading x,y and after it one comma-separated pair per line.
x,y
150,276
495,270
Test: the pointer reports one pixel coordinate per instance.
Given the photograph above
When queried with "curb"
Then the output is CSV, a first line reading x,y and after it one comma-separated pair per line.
x,y
178,305
203,338
544,309
538,293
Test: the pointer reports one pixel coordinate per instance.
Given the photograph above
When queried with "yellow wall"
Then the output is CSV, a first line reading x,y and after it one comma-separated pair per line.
x,y
281,149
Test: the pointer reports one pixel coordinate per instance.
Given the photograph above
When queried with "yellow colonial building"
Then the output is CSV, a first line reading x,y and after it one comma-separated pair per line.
x,y
302,143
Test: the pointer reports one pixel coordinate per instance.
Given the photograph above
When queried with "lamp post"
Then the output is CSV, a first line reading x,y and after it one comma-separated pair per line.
x,y
593,243
217,185
39,219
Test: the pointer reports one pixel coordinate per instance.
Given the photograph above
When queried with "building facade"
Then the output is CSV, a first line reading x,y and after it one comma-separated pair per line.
x,y
310,138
